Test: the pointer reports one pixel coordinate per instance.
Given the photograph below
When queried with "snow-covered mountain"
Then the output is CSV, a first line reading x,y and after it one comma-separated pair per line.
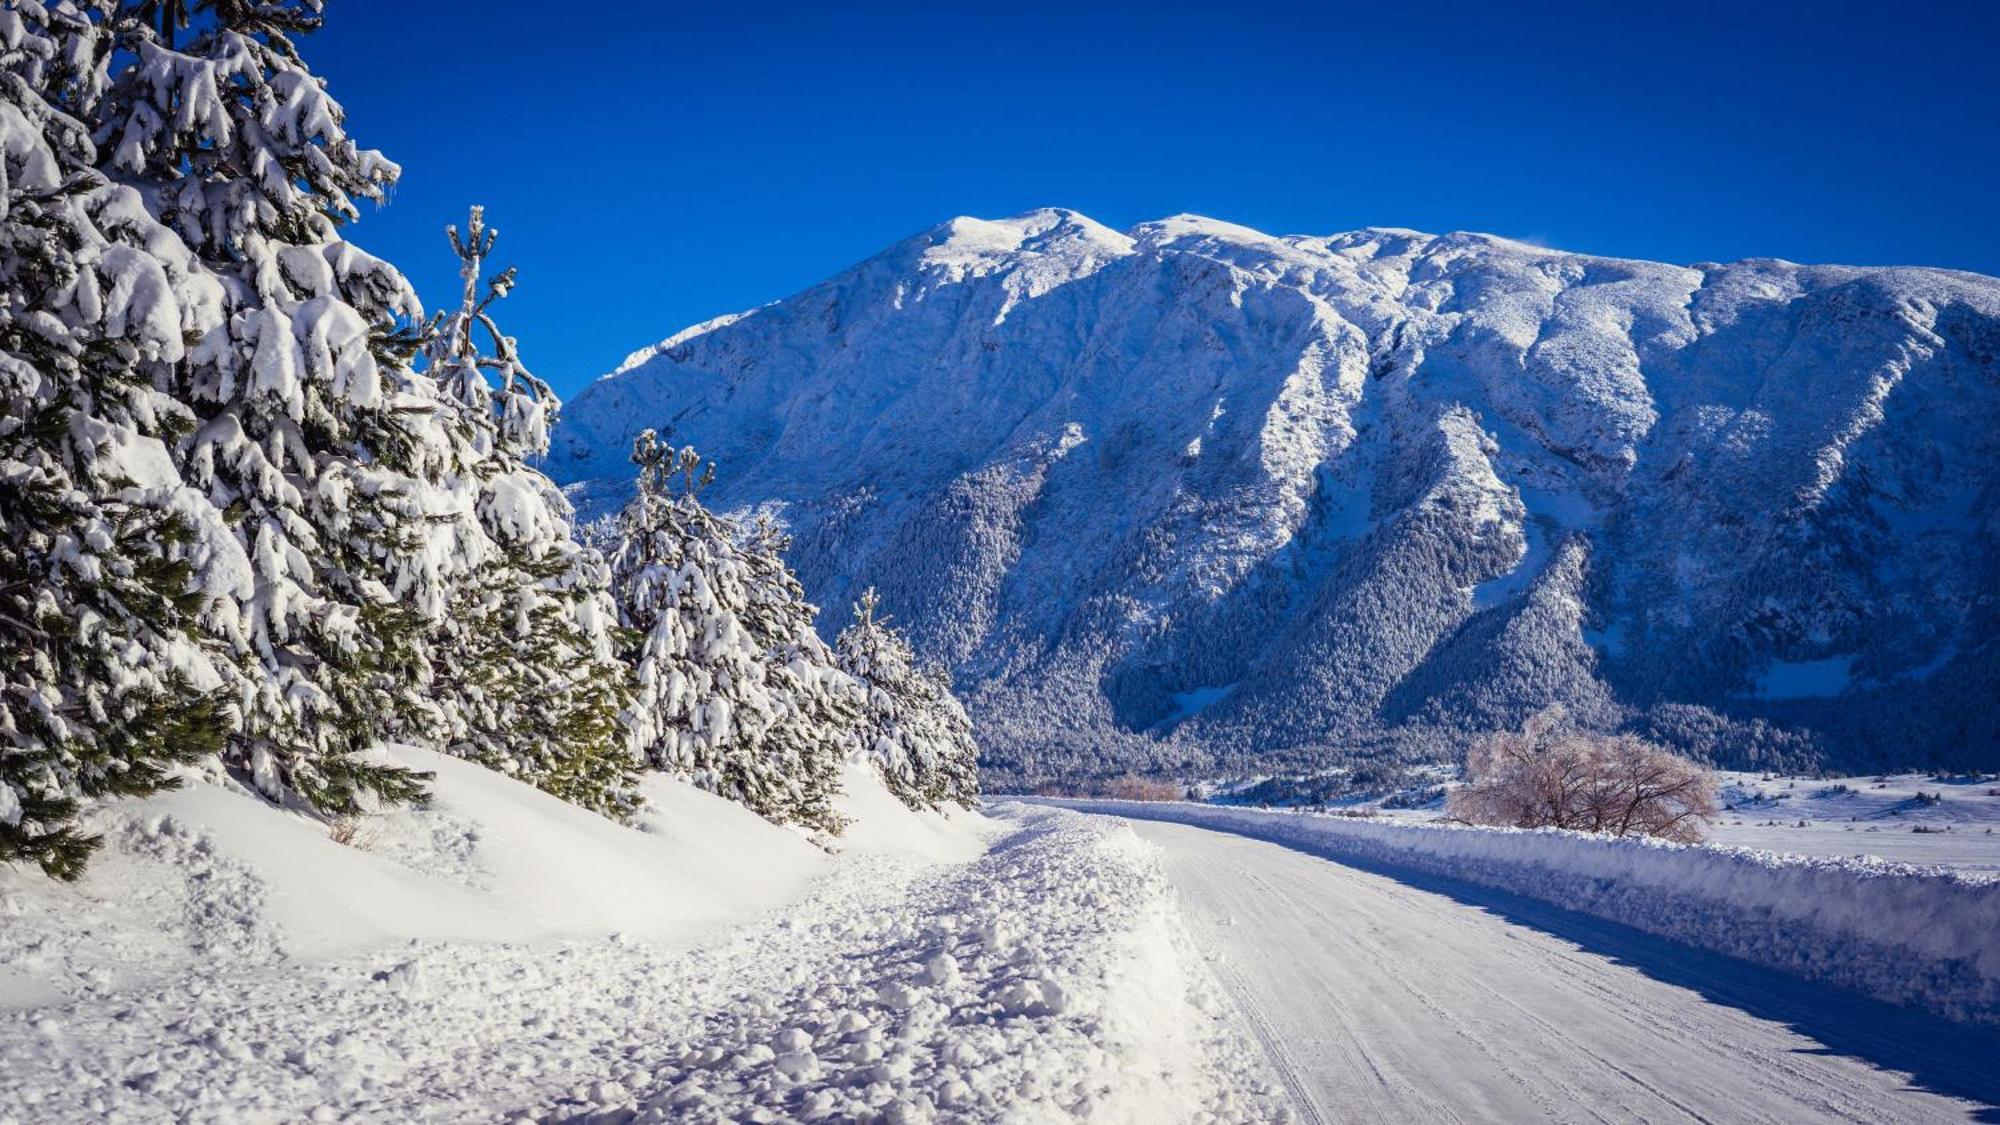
x,y
1190,493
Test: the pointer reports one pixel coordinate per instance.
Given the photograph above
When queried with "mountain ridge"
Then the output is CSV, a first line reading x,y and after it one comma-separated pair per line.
x,y
1385,487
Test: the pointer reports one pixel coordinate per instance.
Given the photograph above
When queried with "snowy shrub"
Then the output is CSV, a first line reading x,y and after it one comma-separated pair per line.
x,y
912,728
1552,775
1133,788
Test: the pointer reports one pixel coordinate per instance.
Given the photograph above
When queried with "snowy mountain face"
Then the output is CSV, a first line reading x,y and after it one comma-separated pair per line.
x,y
1194,497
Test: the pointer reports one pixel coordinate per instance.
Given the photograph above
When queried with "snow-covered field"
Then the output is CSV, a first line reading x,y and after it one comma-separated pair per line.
x,y
1905,818
1916,818
501,955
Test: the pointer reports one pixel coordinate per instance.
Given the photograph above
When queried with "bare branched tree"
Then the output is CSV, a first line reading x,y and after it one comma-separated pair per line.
x,y
1551,774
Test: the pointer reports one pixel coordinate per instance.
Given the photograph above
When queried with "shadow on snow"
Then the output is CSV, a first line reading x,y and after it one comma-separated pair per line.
x,y
1940,1056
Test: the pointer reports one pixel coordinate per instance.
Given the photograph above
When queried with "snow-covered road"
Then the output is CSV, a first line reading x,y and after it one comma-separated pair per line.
x,y
1387,996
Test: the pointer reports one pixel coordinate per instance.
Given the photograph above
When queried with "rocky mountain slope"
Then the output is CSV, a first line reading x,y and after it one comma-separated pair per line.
x,y
1194,497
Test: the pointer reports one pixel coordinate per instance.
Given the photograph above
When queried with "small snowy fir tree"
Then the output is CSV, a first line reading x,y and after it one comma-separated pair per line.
x,y
313,433
523,668
104,555
819,706
709,707
912,728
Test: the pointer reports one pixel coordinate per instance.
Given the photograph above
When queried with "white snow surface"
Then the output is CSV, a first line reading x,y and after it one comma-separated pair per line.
x,y
881,823
1384,996
1917,936
213,872
1904,818
500,955
1921,819
1806,679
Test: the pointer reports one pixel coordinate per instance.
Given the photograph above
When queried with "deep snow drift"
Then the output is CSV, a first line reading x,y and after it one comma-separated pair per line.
x,y
211,873
1191,489
500,955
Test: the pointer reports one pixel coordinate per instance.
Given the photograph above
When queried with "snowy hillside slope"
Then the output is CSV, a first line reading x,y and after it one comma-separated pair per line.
x,y
212,872
1192,496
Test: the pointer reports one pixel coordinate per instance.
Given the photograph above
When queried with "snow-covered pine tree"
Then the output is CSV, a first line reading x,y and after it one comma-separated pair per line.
x,y
707,701
104,557
819,706
315,436
912,728
523,664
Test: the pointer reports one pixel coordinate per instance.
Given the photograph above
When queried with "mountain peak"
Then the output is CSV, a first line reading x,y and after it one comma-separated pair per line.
x,y
1045,230
1190,226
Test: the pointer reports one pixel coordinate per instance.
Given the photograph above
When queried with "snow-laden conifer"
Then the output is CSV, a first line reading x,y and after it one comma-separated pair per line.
x,y
313,434
105,558
912,728
524,675
713,705
818,706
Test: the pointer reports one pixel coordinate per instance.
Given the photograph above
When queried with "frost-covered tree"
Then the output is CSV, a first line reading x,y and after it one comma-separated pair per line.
x,y
313,434
524,672
819,713
714,704
1553,774
106,561
912,728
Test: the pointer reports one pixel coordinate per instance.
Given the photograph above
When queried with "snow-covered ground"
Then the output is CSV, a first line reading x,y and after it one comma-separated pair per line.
x,y
1387,996
501,955
1922,937
1917,818
1905,818
213,875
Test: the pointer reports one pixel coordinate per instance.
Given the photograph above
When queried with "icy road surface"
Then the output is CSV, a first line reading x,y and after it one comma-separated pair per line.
x,y
1398,997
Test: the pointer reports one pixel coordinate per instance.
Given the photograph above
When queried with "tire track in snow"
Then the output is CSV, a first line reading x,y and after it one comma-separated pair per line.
x,y
1366,1078
1245,1002
1380,1000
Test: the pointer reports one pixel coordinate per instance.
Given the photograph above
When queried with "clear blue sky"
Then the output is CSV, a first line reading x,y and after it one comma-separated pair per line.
x,y
654,164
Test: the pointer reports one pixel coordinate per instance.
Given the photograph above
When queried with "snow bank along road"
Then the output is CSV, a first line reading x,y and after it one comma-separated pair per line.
x,y
1385,995
1049,978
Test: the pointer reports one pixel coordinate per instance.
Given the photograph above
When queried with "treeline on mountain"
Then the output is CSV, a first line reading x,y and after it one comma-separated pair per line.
x,y
260,510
